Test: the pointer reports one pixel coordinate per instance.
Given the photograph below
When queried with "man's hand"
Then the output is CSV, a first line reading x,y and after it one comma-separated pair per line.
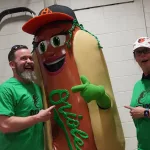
x,y
15,124
136,112
44,115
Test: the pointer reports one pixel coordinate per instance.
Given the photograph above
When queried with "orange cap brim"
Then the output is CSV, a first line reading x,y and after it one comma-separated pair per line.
x,y
35,23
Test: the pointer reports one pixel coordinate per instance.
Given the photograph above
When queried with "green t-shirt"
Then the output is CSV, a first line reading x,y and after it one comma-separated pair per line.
x,y
18,99
141,97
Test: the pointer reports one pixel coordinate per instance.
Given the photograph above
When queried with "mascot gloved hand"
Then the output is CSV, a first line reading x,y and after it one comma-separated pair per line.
x,y
91,92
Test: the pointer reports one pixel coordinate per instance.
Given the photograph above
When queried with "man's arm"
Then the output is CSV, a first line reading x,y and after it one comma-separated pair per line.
x,y
136,112
15,124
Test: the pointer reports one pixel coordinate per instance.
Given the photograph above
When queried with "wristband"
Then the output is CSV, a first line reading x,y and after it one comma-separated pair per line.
x,y
146,112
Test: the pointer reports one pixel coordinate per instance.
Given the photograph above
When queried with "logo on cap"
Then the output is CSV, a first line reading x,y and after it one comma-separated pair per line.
x,y
141,40
46,11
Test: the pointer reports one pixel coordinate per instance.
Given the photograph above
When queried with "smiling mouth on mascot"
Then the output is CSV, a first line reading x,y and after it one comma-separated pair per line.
x,y
56,65
73,72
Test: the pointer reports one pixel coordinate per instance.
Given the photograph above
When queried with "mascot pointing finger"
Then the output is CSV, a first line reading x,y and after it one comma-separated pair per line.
x,y
75,79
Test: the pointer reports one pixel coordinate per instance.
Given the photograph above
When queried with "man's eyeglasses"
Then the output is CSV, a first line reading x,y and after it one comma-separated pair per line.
x,y
141,51
16,47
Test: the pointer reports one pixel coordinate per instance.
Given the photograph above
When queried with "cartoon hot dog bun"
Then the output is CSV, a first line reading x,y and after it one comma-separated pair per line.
x,y
75,79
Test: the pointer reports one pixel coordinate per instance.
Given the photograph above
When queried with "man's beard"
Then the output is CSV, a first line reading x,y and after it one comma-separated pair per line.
x,y
28,76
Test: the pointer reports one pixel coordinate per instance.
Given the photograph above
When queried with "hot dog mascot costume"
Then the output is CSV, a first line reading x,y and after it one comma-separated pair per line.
x,y
74,76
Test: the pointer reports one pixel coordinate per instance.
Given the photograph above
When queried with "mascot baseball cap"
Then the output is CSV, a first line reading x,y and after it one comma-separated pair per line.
x,y
47,15
141,42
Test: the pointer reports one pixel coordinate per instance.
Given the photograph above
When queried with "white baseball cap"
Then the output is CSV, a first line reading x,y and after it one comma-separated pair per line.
x,y
141,42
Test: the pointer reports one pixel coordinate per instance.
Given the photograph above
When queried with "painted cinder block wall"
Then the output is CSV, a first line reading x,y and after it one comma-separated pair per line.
x,y
117,27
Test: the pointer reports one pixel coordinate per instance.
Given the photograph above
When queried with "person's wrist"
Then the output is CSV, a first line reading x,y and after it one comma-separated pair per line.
x,y
36,118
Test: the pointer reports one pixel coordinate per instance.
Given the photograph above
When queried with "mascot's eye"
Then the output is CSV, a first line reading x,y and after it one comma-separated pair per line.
x,y
42,47
58,40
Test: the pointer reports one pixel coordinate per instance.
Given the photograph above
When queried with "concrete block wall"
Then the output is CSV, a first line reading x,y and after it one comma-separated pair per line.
x,y
116,26
146,4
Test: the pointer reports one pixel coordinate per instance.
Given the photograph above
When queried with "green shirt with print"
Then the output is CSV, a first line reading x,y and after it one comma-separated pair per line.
x,y
141,97
22,100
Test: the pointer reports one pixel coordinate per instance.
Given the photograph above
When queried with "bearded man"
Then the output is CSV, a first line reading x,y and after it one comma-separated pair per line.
x,y
21,114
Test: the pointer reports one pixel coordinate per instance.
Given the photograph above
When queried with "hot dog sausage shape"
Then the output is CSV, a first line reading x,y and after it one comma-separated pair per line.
x,y
72,67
